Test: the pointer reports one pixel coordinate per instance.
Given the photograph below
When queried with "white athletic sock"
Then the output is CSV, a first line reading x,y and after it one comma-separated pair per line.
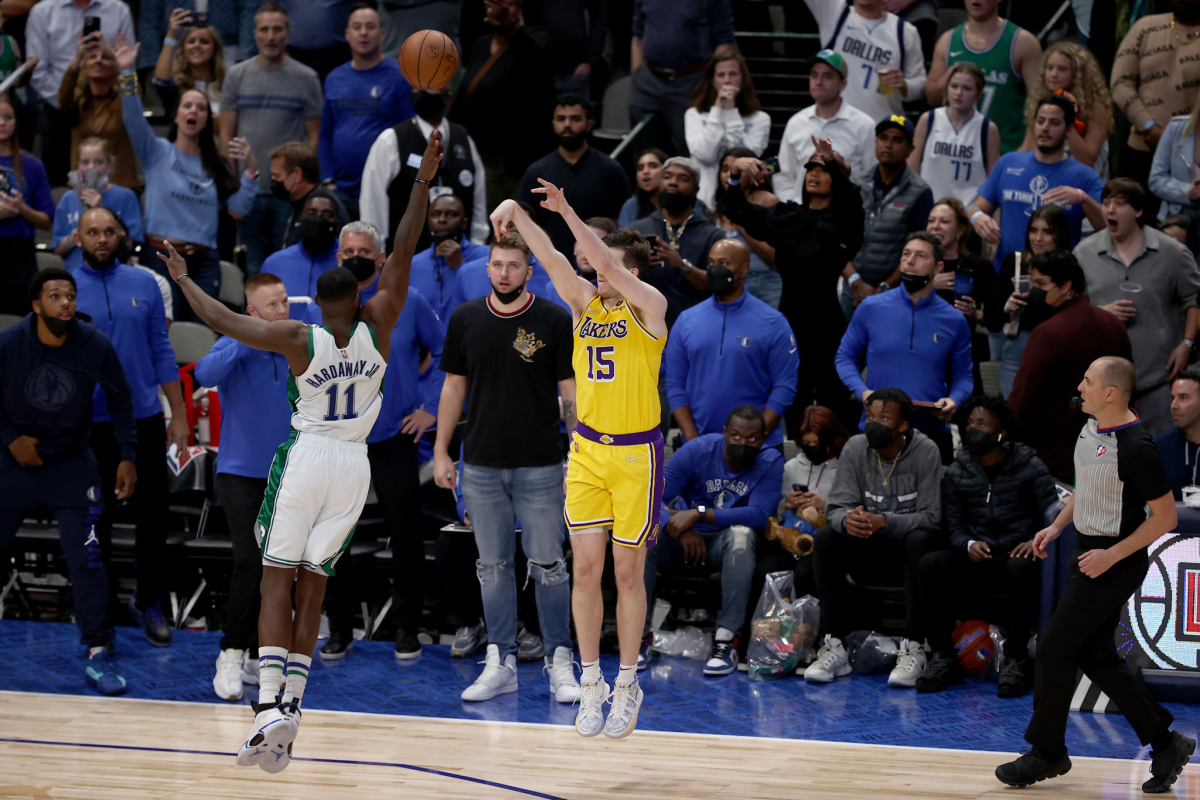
x,y
627,675
271,664
724,635
591,671
297,677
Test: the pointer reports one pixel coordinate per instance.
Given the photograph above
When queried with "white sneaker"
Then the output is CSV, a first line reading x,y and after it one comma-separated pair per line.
x,y
910,663
832,662
270,740
250,669
563,685
622,718
496,679
228,681
590,719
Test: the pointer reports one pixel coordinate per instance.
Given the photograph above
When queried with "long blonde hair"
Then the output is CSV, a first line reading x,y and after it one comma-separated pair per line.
x,y
182,69
1088,84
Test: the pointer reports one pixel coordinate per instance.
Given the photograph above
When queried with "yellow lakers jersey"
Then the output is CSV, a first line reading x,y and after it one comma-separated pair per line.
x,y
616,364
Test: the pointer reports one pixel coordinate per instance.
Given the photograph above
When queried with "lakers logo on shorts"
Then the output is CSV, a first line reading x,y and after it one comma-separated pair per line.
x,y
606,439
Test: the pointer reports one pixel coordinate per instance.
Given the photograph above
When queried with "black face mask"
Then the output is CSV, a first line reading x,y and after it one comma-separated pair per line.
x,y
741,456
879,435
280,191
56,326
979,442
361,266
914,283
428,105
674,202
1037,297
814,453
510,295
97,264
720,280
317,234
572,143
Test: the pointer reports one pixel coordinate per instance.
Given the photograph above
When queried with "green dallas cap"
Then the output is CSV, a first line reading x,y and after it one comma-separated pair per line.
x,y
831,58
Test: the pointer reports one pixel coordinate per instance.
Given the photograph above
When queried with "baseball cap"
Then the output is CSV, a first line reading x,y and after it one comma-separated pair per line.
x,y
899,122
685,162
831,58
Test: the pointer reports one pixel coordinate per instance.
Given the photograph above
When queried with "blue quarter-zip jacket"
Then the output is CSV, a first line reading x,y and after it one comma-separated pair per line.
x,y
255,412
698,476
436,280
126,306
907,347
299,270
723,355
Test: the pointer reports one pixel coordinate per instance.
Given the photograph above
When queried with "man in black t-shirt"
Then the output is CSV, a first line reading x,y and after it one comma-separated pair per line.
x,y
1118,474
508,354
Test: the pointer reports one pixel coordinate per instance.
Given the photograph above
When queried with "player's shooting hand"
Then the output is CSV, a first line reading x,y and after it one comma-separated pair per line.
x,y
24,450
1044,537
126,480
431,158
176,266
979,551
417,423
1023,550
502,217
694,549
444,473
1095,563
554,199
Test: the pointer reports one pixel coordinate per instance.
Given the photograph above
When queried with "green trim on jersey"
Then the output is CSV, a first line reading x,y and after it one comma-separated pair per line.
x,y
374,341
266,512
1003,100
326,566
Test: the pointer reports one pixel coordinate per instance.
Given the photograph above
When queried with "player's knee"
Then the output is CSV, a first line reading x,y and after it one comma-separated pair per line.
x,y
549,574
630,575
490,573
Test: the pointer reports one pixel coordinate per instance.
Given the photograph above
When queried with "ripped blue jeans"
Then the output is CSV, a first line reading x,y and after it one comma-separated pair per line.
x,y
495,500
730,550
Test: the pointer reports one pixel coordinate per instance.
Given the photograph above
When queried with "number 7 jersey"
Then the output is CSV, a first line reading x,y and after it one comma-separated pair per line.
x,y
340,394
616,363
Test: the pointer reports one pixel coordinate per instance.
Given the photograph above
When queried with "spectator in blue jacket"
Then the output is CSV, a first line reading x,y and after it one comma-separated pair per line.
x,y
255,419
435,269
409,409
720,490
730,350
125,304
911,339
363,98
50,365
300,265
1179,447
91,188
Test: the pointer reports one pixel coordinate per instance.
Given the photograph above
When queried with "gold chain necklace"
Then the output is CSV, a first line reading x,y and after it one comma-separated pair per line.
x,y
1181,42
887,477
673,237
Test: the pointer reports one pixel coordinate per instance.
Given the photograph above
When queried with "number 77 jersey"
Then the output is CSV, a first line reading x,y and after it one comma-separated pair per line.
x,y
340,394
616,363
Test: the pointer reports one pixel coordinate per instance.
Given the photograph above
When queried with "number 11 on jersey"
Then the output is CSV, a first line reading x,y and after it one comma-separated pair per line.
x,y
332,394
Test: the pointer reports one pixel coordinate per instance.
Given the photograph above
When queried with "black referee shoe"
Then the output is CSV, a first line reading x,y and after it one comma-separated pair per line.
x,y
1032,767
1165,766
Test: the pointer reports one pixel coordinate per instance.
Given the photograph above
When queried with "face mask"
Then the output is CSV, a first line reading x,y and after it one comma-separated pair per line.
x,y
572,143
56,326
814,453
361,266
1037,297
280,191
879,435
741,456
914,283
979,442
510,295
674,202
123,250
317,234
720,280
97,264
428,105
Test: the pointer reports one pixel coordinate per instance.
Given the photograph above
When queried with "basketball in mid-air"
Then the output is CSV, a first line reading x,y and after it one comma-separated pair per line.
x,y
428,60
973,643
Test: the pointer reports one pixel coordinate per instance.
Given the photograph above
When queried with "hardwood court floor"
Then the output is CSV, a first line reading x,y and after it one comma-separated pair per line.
x,y
98,748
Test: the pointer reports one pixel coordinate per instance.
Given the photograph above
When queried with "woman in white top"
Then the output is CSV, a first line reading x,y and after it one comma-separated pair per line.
x,y
191,58
725,113
956,146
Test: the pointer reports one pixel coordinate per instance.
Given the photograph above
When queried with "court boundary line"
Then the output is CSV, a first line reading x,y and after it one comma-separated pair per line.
x,y
395,765
543,725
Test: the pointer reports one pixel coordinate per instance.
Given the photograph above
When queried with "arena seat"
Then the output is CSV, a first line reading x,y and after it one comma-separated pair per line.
x,y
233,286
614,117
47,260
191,341
9,319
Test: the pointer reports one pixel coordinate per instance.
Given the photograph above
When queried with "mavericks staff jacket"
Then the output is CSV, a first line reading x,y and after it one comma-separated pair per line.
x,y
1003,511
46,392
912,499
698,476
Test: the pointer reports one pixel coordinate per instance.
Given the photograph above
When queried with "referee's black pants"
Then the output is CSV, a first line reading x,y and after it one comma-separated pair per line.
x,y
1081,635
242,497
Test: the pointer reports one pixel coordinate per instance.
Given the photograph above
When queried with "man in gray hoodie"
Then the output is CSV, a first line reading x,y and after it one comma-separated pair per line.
x,y
885,506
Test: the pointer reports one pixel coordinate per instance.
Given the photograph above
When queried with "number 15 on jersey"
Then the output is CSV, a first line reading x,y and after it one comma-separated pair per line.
x,y
601,367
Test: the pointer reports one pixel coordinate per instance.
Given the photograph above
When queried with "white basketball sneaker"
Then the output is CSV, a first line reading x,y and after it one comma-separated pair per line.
x,y
496,679
270,739
622,718
590,719
832,662
228,681
910,663
563,685
250,669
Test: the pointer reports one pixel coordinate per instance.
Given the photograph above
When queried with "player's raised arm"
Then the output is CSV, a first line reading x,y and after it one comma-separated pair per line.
x,y
382,310
645,299
288,337
576,291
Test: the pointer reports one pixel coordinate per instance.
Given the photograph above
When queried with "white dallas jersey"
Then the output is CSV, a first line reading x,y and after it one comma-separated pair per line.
x,y
952,162
868,46
341,392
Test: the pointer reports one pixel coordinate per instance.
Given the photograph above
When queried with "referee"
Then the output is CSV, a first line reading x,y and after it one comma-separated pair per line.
x,y
1118,474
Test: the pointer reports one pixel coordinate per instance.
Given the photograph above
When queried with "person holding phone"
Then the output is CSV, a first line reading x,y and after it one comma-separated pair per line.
x,y
90,187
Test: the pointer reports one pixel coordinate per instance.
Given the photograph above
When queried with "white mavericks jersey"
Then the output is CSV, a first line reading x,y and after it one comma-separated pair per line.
x,y
953,160
868,46
340,394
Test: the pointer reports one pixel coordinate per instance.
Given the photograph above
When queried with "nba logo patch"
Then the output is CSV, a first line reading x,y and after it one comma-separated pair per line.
x,y
345,355
1101,450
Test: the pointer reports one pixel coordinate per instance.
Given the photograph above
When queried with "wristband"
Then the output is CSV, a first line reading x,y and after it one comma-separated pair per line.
x,y
735,180
1190,343
855,277
1148,124
976,216
181,277
128,83
169,42
418,180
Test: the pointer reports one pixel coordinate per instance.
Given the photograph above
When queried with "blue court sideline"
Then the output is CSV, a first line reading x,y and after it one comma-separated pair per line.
x,y
46,657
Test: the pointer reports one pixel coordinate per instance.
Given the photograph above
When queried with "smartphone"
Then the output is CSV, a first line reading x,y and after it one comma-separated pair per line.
x,y
196,19
799,487
91,24
772,165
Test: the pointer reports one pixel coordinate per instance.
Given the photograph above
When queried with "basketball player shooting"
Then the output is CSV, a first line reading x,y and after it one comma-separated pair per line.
x,y
615,464
320,476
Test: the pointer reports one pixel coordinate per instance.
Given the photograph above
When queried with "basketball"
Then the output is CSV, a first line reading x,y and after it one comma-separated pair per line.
x,y
973,643
428,60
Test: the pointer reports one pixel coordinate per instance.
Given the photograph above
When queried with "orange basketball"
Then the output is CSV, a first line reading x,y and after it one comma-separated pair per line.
x,y
973,643
428,60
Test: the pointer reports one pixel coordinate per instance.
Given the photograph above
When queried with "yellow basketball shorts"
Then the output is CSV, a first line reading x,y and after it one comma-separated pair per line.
x,y
615,481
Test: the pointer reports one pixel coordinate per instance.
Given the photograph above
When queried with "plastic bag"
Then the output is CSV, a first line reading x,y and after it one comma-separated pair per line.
x,y
871,653
783,630
689,642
